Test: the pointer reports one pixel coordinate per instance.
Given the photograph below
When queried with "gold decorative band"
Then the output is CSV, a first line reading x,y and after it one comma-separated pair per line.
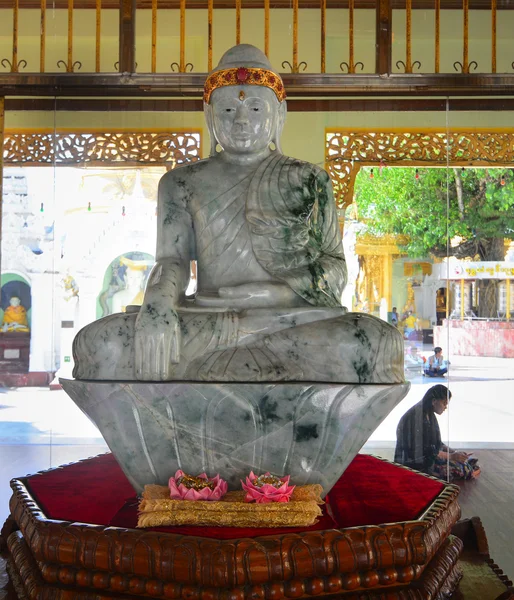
x,y
244,76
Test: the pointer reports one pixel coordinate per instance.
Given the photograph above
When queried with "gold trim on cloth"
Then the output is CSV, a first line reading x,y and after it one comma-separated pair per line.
x,y
244,76
156,509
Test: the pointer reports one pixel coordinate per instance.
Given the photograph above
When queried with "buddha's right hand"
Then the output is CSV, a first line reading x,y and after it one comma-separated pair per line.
x,y
157,343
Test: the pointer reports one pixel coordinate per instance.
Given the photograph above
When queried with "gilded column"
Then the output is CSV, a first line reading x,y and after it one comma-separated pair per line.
x,y
375,281
378,253
388,280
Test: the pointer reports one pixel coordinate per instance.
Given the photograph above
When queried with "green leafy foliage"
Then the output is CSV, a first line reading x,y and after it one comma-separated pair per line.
x,y
465,212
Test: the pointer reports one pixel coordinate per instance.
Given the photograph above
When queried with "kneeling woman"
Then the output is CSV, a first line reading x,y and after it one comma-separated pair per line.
x,y
419,445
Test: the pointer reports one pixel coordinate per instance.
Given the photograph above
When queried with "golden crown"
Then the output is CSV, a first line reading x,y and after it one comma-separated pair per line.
x,y
244,76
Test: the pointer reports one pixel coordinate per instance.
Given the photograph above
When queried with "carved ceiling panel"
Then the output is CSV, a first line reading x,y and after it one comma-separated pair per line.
x,y
92,148
346,152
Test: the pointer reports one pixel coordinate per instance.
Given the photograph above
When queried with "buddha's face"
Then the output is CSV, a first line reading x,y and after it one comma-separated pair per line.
x,y
244,117
134,278
15,301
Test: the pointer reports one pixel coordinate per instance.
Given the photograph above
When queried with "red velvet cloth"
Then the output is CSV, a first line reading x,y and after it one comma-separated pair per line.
x,y
369,492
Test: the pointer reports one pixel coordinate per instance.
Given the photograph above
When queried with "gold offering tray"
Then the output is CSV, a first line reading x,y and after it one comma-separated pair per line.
x,y
156,509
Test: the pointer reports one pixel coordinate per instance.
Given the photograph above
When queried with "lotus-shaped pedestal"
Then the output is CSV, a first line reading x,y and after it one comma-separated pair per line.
x,y
308,431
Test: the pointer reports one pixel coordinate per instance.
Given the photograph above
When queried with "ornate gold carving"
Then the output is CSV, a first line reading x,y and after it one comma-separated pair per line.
x,y
410,303
244,76
368,243
346,152
374,280
425,267
32,149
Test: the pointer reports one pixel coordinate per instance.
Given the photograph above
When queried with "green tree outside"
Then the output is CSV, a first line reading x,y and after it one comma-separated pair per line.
x,y
466,213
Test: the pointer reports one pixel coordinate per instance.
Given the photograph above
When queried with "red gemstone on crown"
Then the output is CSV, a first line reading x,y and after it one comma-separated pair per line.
x,y
242,74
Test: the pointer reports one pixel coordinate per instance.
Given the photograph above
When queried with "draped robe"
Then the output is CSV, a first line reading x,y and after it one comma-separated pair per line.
x,y
283,217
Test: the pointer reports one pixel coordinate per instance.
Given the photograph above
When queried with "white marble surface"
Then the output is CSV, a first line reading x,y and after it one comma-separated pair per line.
x,y
264,230
309,431
228,346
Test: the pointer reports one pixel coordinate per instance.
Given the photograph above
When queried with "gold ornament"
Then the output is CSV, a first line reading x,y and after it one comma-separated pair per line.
x,y
195,483
268,479
156,509
244,76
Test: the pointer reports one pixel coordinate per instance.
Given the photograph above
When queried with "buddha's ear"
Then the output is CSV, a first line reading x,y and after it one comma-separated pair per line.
x,y
207,110
281,119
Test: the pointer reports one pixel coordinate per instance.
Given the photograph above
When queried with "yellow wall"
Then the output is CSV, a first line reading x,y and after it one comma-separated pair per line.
x,y
253,32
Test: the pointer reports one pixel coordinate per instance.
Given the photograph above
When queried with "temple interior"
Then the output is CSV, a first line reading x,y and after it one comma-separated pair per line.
x,y
407,105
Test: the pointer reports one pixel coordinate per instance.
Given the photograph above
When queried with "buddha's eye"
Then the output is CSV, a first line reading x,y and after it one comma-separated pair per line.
x,y
255,109
229,110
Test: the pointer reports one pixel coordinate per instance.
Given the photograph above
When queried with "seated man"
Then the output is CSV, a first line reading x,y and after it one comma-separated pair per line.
x,y
394,317
437,366
264,231
413,361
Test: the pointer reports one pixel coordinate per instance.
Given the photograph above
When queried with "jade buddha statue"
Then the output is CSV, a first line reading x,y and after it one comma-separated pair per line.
x,y
264,231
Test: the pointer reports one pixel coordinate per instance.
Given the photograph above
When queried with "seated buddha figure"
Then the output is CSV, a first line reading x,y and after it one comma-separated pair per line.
x,y
15,317
264,231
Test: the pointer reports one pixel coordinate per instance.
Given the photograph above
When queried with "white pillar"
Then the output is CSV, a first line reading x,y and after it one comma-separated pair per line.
x,y
68,330
42,343
89,288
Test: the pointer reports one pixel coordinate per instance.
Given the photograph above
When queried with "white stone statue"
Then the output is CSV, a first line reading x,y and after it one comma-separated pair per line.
x,y
264,231
15,317
132,293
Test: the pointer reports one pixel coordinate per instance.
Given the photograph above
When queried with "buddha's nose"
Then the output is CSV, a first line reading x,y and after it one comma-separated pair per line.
x,y
242,115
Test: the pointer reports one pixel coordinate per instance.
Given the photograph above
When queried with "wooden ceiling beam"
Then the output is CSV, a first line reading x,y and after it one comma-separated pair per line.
x,y
179,85
294,104
259,4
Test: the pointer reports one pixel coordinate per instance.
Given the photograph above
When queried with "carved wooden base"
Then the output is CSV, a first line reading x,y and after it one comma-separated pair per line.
x,y
437,582
58,560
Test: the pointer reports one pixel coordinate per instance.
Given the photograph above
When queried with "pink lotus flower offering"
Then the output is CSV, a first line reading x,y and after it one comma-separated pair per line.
x,y
267,488
201,487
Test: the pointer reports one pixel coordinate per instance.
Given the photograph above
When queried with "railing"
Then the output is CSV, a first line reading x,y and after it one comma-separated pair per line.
x,y
311,36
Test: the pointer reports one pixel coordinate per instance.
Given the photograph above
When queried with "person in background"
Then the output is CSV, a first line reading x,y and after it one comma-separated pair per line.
x,y
437,366
413,361
409,324
419,445
395,317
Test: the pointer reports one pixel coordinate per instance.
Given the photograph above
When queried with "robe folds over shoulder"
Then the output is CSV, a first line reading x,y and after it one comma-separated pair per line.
x,y
294,228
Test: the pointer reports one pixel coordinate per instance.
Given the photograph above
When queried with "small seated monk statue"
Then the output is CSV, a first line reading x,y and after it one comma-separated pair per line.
x,y
15,317
264,231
